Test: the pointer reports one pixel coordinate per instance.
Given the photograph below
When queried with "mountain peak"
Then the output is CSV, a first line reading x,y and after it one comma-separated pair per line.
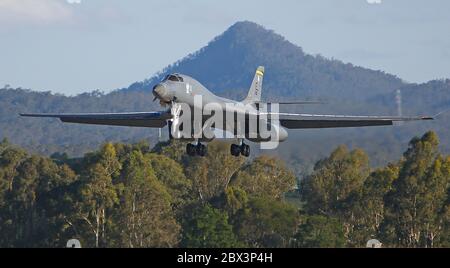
x,y
245,25
227,64
251,33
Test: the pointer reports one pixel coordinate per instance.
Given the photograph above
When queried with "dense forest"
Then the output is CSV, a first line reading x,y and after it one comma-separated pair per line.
x,y
132,195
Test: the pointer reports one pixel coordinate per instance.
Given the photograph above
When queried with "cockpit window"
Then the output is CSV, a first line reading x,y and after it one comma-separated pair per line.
x,y
174,77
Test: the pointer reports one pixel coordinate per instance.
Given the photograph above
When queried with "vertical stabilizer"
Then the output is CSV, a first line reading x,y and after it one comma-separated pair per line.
x,y
254,94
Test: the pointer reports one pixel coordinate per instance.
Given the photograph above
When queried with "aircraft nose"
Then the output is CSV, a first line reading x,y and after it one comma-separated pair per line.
x,y
161,92
158,90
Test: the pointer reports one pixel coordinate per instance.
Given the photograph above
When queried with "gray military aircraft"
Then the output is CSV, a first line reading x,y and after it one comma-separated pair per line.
x,y
176,89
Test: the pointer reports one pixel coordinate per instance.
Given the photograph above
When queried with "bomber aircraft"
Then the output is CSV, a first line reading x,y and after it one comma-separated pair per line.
x,y
179,93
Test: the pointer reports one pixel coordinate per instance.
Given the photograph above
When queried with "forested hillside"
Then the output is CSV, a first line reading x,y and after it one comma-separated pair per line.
x,y
126,195
49,135
226,66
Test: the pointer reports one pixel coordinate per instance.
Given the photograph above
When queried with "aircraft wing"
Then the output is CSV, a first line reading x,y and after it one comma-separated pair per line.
x,y
139,119
298,121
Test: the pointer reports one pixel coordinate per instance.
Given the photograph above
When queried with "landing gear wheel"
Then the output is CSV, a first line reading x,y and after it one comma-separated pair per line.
x,y
201,150
245,150
235,150
191,149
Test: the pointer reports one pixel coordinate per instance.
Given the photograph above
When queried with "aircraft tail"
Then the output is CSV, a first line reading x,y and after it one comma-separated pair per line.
x,y
254,94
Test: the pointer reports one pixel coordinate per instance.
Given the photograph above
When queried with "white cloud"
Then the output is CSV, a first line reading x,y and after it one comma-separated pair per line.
x,y
34,11
74,1
374,2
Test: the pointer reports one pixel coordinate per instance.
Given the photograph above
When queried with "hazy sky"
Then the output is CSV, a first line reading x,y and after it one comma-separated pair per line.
x,y
72,46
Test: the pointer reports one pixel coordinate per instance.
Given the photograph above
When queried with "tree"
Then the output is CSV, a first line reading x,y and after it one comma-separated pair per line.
x,y
174,149
265,222
208,227
10,159
320,232
265,177
98,194
416,204
444,239
145,217
335,187
369,206
235,199
212,174
31,214
171,175
123,150
334,180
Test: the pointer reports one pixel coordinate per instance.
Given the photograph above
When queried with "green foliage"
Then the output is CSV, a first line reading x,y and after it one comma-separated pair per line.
x,y
173,149
31,198
417,203
144,218
127,195
369,209
265,222
320,232
404,204
265,176
171,174
208,227
236,199
212,174
98,194
335,182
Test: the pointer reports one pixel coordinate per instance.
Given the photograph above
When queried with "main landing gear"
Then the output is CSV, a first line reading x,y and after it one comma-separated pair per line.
x,y
242,149
201,150
193,150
